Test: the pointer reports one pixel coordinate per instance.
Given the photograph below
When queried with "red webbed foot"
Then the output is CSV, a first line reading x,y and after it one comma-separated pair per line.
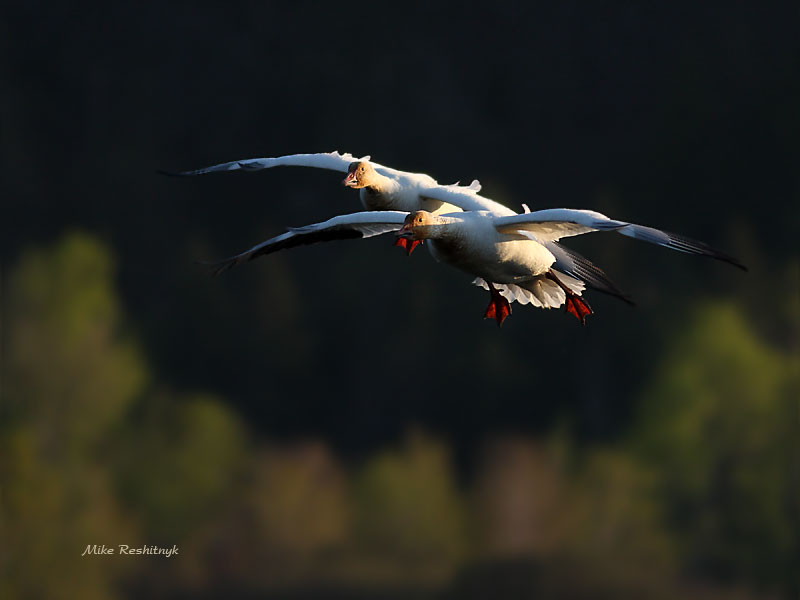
x,y
407,244
499,308
574,304
577,307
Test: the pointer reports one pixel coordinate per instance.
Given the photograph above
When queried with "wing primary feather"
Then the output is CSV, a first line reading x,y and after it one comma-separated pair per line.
x,y
570,262
228,166
174,173
312,234
335,161
285,242
678,242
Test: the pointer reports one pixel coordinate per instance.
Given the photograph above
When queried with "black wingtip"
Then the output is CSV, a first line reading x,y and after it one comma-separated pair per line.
x,y
171,173
628,300
217,267
684,244
721,256
736,263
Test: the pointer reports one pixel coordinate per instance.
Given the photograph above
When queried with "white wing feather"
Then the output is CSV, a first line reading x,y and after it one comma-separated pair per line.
x,y
333,161
553,224
540,292
369,223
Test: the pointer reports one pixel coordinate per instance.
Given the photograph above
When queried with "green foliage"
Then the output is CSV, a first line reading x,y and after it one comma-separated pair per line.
x,y
290,522
89,455
298,498
598,517
179,463
407,506
719,427
71,376
615,522
71,371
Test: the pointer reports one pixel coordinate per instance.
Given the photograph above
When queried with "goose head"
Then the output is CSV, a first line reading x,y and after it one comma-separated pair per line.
x,y
419,225
360,174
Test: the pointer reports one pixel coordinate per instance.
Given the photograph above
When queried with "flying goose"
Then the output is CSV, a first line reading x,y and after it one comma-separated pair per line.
x,y
507,250
384,188
381,188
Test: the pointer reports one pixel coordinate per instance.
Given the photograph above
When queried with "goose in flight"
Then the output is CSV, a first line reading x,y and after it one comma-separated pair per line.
x,y
507,250
383,188
380,187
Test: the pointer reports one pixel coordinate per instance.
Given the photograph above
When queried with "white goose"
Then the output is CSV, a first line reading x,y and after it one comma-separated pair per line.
x,y
383,188
509,250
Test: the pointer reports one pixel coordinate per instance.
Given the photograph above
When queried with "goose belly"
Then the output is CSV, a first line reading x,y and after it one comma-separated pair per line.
x,y
502,262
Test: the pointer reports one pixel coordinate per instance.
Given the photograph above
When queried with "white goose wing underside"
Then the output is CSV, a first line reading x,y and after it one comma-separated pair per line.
x,y
553,224
333,161
344,227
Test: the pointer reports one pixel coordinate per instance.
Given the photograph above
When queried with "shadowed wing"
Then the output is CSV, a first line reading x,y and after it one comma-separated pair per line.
x,y
343,227
573,264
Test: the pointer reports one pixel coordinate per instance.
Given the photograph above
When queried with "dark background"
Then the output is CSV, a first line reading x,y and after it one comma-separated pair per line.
x,y
678,115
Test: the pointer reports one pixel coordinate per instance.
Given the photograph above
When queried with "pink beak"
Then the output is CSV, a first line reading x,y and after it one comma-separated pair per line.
x,y
350,179
405,231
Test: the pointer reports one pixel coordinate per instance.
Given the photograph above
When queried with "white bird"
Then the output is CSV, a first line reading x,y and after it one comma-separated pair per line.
x,y
383,188
509,250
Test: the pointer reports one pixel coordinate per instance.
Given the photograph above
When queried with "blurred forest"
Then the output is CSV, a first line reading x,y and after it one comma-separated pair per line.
x,y
337,421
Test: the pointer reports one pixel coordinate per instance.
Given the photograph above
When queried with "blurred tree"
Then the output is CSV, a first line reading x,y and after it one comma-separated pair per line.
x,y
519,492
292,517
614,526
719,427
298,496
71,374
549,512
179,463
409,513
72,371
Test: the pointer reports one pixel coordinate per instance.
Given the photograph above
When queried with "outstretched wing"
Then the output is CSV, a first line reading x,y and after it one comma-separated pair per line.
x,y
677,242
573,264
344,227
333,161
553,224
